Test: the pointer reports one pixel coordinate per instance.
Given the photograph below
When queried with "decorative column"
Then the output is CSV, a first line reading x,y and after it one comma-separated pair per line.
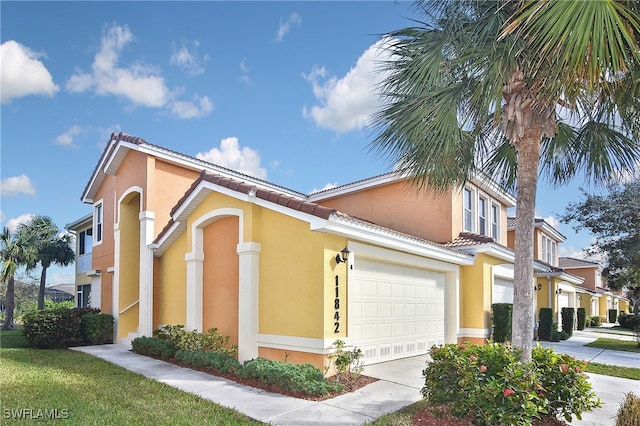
x,y
248,277
145,307
194,262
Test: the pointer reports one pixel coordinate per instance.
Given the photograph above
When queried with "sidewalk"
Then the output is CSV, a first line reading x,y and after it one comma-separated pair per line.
x,y
399,385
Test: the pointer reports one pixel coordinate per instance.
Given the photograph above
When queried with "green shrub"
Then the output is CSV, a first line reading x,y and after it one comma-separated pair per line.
x,y
490,383
195,340
55,327
347,364
629,411
153,347
613,315
582,318
564,385
217,361
629,321
567,320
297,378
96,328
501,314
546,324
596,321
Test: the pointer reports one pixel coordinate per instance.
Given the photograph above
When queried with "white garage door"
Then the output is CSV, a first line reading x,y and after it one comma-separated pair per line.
x,y
396,311
502,290
563,302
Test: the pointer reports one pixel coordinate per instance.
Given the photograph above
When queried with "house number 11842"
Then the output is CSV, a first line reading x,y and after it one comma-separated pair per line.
x,y
336,306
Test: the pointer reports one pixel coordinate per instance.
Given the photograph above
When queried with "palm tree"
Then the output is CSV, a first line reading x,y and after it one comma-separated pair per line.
x,y
15,251
514,89
51,247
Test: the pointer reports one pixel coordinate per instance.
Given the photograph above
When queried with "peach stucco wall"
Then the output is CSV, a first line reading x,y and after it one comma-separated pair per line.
x,y
220,277
399,206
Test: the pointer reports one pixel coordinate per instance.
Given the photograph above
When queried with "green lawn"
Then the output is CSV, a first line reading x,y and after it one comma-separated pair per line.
x,y
89,391
613,370
615,344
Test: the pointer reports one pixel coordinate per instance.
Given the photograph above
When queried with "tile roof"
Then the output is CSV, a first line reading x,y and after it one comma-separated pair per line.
x,y
296,204
466,239
570,262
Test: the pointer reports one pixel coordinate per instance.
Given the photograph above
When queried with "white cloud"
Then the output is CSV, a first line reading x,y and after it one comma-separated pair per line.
x,y
325,188
200,106
22,74
139,83
66,138
13,223
244,70
274,164
61,276
188,58
551,220
349,102
230,155
285,27
15,185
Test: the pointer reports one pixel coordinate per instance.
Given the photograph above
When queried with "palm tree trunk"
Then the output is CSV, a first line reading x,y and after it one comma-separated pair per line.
x,y
9,304
43,281
527,179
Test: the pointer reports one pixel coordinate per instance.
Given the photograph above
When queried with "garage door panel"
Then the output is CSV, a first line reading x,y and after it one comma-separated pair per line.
x,y
404,305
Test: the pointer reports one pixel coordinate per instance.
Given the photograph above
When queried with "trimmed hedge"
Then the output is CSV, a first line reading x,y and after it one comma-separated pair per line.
x,y
567,320
62,327
153,347
96,328
217,361
582,318
501,315
546,324
613,315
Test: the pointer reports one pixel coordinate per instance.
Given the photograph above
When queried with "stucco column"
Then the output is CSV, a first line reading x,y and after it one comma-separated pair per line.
x,y
452,306
248,277
145,307
194,262
115,286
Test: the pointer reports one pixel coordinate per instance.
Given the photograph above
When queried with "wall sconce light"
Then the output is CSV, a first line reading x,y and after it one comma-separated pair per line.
x,y
558,291
343,256
537,287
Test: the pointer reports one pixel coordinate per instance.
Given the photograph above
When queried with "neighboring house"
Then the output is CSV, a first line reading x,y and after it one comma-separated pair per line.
x,y
59,292
555,288
602,299
86,276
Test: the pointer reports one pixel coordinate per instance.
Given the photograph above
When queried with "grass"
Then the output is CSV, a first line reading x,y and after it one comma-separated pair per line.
x,y
90,391
613,370
615,344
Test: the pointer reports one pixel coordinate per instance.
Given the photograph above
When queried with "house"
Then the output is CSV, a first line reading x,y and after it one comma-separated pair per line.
x,y
173,239
602,299
555,287
177,240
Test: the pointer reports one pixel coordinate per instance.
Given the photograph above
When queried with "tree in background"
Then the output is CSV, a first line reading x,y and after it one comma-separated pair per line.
x,y
52,247
508,86
614,219
15,251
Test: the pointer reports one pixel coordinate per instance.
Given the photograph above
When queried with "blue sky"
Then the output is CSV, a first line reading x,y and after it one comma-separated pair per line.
x,y
278,90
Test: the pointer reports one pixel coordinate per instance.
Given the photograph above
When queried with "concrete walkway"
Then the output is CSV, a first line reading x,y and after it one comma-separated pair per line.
x,y
399,385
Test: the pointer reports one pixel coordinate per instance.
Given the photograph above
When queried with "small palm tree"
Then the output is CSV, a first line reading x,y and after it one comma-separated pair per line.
x,y
15,251
51,248
513,88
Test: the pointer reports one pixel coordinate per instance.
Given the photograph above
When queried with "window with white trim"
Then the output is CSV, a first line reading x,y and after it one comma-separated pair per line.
x,y
468,210
97,221
482,216
549,248
495,221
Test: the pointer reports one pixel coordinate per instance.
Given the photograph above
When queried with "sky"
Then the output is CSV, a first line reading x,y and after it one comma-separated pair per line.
x,y
278,90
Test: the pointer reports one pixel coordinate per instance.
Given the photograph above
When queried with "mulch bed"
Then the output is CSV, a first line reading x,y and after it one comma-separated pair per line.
x,y
349,386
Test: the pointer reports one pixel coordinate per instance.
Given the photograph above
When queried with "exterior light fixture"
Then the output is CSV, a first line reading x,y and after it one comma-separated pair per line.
x,y
537,287
343,256
558,291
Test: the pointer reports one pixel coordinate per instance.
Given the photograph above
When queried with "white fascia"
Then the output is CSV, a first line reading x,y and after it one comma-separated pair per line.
x,y
379,237
494,250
